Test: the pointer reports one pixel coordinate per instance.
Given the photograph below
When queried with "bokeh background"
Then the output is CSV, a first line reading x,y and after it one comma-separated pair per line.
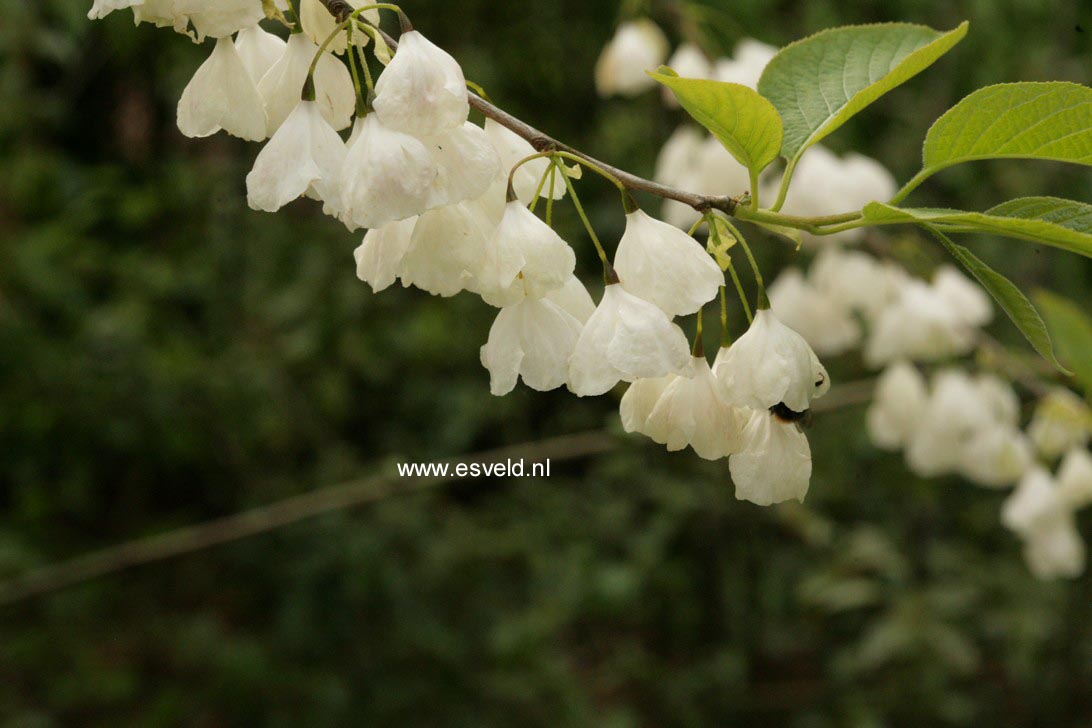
x,y
168,356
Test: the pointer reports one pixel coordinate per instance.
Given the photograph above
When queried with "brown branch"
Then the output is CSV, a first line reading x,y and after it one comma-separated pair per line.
x,y
541,141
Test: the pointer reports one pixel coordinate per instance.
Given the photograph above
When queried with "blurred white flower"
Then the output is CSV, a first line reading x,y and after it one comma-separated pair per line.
x,y
512,148
637,46
955,413
101,8
1056,552
1075,478
746,64
627,338
825,324
422,91
524,258
282,85
317,24
466,164
1061,422
304,157
222,95
996,456
772,364
1034,505
662,264
692,411
719,172
1000,398
258,50
774,461
897,407
379,257
532,339
857,280
680,156
967,299
920,326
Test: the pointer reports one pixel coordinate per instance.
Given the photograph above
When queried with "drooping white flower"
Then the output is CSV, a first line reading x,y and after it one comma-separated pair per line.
x,y
639,400
897,407
772,364
447,247
423,91
1000,398
627,338
955,413
857,280
379,257
222,95
919,326
282,85
746,64
524,258
304,157
512,148
101,8
220,18
1057,552
532,339
680,155
637,46
692,411
689,62
996,456
1034,505
660,263
719,172
259,51
162,14
1061,422
824,323
574,298
466,164
774,461
1075,478
387,175
967,299
317,23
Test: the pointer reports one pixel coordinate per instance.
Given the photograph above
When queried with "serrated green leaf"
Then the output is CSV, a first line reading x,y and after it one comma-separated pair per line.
x,y
1014,120
1064,224
745,123
1072,331
1012,301
819,82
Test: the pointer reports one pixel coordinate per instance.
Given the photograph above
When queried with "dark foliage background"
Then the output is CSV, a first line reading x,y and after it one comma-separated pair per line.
x,y
169,356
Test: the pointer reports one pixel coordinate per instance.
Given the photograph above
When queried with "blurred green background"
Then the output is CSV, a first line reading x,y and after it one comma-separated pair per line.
x,y
168,356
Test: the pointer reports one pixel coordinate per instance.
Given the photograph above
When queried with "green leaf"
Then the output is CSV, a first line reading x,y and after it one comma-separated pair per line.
x,y
720,241
819,82
1072,330
1014,120
1052,221
1014,303
744,122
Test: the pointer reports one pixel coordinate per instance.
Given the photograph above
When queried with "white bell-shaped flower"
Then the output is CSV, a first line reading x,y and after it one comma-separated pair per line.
x,y
1034,505
639,400
282,85
857,280
967,299
996,456
897,407
533,339
772,364
379,257
387,175
447,247
423,91
627,338
219,18
304,157
637,46
101,8
317,24
660,263
1057,552
524,258
573,296
955,413
222,95
1075,478
513,148
1061,422
745,67
162,14
466,164
827,325
692,411
259,51
773,463
919,326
